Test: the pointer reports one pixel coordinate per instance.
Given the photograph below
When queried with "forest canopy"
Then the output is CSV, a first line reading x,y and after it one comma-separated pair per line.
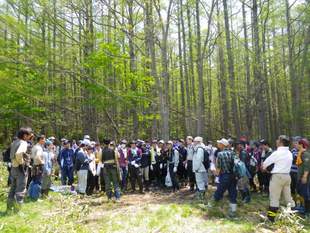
x,y
155,68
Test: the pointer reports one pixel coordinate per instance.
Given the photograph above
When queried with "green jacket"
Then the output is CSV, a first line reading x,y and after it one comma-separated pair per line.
x,y
305,166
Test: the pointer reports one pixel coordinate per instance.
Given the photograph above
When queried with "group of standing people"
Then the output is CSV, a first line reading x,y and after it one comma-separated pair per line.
x,y
117,168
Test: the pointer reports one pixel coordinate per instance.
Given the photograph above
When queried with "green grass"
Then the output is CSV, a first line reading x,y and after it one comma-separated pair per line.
x,y
146,214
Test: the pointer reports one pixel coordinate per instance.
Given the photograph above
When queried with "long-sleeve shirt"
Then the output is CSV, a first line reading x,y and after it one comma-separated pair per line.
x,y
282,159
18,149
66,158
305,166
225,161
145,158
48,163
82,161
173,157
198,160
37,154
190,152
134,155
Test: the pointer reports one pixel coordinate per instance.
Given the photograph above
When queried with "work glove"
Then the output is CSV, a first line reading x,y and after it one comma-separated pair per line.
x,y
151,167
133,163
136,165
175,169
161,166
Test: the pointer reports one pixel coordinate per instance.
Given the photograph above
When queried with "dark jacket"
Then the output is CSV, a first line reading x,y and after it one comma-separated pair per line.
x,y
66,158
134,156
82,161
145,158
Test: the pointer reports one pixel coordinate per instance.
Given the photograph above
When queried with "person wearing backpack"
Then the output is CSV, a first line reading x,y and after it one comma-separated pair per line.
x,y
199,168
20,162
227,179
8,162
264,175
242,173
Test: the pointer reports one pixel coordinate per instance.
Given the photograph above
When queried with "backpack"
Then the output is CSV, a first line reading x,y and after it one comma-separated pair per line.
x,y
206,159
6,155
239,168
253,163
13,148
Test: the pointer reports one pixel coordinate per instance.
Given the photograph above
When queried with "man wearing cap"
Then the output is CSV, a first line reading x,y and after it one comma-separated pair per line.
x,y
189,162
198,167
304,173
19,175
227,180
110,171
280,179
134,167
65,161
172,164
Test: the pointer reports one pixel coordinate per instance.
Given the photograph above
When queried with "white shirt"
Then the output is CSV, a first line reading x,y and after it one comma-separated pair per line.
x,y
37,154
282,159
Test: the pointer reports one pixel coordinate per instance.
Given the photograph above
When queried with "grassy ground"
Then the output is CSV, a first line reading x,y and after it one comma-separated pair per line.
x,y
152,212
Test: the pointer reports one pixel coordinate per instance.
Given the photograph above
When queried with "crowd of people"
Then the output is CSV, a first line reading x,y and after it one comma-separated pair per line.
x,y
230,165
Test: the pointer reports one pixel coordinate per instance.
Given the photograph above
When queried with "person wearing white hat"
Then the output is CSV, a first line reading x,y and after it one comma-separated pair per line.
x,y
198,167
224,168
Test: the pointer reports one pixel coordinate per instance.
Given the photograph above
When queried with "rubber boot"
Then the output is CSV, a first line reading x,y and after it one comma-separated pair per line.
x,y
232,210
272,213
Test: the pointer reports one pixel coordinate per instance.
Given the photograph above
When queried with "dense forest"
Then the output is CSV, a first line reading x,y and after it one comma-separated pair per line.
x,y
155,68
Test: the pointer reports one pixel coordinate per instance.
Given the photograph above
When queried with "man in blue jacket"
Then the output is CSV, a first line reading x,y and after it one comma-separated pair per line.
x,y
65,160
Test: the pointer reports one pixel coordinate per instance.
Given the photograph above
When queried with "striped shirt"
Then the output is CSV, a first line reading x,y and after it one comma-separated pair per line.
x,y
294,167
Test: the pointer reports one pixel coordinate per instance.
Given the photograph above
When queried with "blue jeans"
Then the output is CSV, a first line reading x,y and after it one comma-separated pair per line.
x,y
227,182
67,173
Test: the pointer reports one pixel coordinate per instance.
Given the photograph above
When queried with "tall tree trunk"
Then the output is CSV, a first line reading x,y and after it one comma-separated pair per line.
x,y
248,112
201,98
193,128
133,66
183,107
259,80
295,93
231,72
222,77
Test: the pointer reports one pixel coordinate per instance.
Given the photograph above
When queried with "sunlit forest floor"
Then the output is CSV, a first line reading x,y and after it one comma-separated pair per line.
x,y
153,212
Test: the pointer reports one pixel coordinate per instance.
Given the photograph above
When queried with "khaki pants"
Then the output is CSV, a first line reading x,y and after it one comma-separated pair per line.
x,y
280,184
